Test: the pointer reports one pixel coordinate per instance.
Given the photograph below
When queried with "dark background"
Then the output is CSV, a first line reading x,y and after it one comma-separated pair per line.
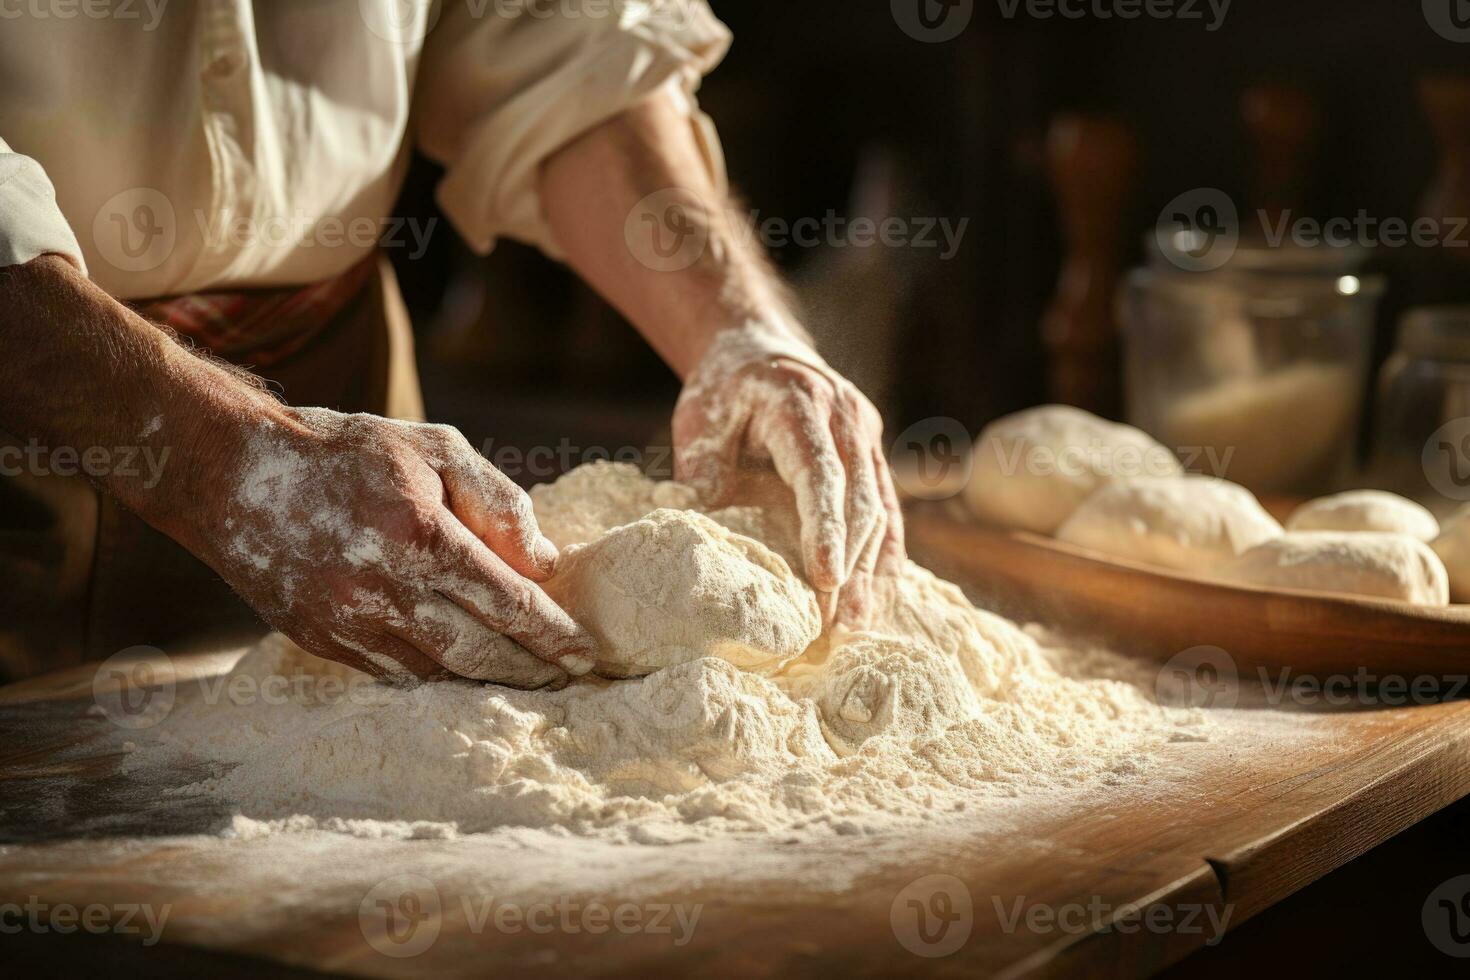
x,y
814,94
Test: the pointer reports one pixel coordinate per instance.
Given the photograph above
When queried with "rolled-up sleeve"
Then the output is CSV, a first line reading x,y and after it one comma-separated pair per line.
x,y
31,225
503,85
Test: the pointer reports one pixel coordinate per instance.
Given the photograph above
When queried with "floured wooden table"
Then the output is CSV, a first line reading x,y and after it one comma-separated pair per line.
x,y
1120,880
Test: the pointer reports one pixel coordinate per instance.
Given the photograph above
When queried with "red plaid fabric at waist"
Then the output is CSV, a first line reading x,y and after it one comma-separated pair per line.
x,y
259,327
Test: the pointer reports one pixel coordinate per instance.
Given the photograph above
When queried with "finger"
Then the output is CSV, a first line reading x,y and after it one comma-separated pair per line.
x,y
479,582
855,603
450,636
891,554
707,454
498,512
866,514
827,606
799,440
707,465
379,655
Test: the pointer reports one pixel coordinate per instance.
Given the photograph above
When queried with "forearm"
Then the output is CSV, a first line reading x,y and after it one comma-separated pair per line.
x,y
80,370
277,500
591,188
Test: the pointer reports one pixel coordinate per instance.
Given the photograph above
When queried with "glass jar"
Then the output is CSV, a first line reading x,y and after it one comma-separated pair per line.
x,y
1423,410
1254,371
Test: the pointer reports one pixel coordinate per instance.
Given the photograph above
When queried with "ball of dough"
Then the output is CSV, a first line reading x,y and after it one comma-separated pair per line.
x,y
676,586
1365,510
1369,563
1453,548
1030,470
1186,522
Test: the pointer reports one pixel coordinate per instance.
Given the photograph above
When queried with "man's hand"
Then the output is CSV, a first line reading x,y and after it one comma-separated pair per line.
x,y
392,547
752,387
760,394
389,546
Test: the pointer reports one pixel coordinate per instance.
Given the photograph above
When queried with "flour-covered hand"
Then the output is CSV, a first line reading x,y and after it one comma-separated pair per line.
x,y
390,546
761,393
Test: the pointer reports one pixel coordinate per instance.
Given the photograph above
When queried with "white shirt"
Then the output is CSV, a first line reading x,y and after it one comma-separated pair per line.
x,y
205,144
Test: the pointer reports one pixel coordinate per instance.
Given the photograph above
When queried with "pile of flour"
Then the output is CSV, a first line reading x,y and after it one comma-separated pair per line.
x,y
933,709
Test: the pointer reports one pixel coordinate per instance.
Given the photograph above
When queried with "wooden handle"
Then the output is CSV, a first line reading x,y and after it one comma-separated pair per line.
x,y
1282,124
1091,161
1445,100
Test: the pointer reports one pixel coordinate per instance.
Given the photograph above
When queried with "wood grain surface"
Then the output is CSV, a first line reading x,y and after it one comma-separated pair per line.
x,y
1280,794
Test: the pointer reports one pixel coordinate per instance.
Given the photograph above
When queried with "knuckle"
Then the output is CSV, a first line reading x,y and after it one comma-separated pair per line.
x,y
398,463
865,492
518,610
443,440
505,493
451,435
361,430
520,513
857,415
873,521
451,439
507,506
810,385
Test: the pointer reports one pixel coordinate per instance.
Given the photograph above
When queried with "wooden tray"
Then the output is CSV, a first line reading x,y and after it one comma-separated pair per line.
x,y
1159,613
